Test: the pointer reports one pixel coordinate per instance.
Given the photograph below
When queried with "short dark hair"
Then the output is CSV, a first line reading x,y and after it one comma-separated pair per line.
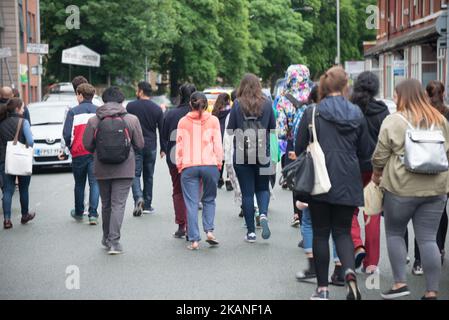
x,y
185,92
145,87
77,81
86,90
113,94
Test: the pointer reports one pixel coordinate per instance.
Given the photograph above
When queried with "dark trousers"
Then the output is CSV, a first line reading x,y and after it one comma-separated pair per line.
x,y
145,163
83,169
9,187
178,197
253,182
332,219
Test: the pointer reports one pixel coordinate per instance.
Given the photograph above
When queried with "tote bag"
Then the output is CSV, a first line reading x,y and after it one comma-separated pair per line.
x,y
373,199
322,183
19,157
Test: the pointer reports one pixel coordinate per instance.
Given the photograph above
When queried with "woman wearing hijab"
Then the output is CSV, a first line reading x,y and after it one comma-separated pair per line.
x,y
292,104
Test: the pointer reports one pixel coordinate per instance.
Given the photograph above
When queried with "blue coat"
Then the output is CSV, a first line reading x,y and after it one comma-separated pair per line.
x,y
343,136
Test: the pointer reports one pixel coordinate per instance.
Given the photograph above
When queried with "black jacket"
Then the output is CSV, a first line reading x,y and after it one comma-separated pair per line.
x,y
342,134
8,128
222,115
375,114
172,118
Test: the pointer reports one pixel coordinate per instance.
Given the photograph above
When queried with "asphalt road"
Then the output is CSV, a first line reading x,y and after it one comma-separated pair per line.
x,y
34,258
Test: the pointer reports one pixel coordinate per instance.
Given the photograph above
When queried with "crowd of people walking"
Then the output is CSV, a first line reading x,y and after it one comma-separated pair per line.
x,y
241,144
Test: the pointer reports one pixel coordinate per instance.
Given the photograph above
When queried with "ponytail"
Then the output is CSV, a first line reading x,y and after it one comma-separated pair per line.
x,y
198,102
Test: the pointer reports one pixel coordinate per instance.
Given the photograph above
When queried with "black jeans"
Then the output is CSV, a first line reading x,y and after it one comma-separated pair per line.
x,y
336,219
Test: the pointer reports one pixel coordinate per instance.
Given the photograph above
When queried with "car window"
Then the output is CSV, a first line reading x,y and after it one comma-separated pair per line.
x,y
47,115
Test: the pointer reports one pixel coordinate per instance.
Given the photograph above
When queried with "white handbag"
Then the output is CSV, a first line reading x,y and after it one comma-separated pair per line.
x,y
322,181
373,199
19,157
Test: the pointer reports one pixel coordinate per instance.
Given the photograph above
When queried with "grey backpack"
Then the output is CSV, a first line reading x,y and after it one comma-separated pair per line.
x,y
425,150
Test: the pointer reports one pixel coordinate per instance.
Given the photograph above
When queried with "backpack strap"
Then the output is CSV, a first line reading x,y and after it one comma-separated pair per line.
x,y
408,122
294,101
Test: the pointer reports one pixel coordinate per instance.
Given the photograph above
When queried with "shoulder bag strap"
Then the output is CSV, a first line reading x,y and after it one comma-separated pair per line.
x,y
19,126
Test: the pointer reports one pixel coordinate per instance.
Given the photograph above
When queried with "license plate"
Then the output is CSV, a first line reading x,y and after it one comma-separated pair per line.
x,y
46,152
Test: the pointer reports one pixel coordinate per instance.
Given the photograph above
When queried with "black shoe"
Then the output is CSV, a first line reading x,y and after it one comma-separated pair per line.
x,y
337,278
359,257
138,209
351,284
229,186
180,233
396,293
301,244
220,183
241,213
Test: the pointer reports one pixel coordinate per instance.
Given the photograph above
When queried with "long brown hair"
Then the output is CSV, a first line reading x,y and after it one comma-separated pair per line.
x,y
333,80
12,106
413,101
222,101
250,95
435,91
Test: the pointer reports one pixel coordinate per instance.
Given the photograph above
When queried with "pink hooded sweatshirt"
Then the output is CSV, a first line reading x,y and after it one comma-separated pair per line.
x,y
198,141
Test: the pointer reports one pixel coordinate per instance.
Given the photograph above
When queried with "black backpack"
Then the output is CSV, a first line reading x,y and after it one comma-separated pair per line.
x,y
112,140
253,141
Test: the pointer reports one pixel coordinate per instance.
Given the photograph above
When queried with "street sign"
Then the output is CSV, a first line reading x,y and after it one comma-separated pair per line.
x,y
81,56
37,48
441,24
5,53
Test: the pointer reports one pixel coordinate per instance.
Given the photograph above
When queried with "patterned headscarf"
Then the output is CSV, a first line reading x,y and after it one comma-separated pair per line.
x,y
298,84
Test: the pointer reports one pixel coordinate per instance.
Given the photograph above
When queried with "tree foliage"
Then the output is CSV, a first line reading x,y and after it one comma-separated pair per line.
x,y
207,42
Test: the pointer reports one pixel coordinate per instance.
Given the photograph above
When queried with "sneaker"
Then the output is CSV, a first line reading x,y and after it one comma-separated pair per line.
x,y
149,211
301,244
305,275
180,233
115,249
75,216
359,257
295,223
200,206
395,293
266,233
429,298
320,295
241,213
229,186
7,224
93,221
105,244
408,260
220,183
138,209
27,218
351,285
251,237
417,269
337,278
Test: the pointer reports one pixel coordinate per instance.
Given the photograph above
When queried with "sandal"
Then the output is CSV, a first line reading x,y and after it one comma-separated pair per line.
x,y
194,246
212,240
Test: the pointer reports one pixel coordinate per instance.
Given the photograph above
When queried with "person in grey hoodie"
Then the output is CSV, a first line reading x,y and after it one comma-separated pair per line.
x,y
114,180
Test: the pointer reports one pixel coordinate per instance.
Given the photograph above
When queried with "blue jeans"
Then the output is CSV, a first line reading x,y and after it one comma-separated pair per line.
x,y
9,187
191,180
307,234
252,182
83,169
145,163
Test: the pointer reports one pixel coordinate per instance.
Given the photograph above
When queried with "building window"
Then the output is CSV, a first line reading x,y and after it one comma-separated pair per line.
x,y
429,64
21,28
389,76
407,62
381,76
416,65
442,65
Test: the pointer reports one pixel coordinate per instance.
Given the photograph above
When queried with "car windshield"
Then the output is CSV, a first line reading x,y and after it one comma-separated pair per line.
x,y
47,115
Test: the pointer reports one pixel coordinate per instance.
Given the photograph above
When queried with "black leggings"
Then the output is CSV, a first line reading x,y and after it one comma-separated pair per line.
x,y
336,219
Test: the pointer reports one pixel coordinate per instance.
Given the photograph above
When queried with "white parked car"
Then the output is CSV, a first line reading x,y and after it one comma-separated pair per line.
x,y
47,121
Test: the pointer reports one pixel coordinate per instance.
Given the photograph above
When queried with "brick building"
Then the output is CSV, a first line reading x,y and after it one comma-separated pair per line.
x,y
407,43
18,27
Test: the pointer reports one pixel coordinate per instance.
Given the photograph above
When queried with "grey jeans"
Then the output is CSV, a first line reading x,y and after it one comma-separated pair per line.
x,y
425,212
114,194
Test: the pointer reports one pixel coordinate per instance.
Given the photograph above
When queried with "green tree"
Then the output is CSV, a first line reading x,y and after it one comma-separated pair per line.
x,y
123,32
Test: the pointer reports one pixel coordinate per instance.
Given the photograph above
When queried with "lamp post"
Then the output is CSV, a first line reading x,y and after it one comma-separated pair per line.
x,y
338,59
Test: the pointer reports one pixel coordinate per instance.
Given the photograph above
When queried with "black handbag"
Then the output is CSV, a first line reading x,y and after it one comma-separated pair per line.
x,y
300,174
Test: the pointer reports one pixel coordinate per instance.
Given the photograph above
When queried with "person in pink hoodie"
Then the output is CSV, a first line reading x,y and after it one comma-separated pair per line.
x,y
199,156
